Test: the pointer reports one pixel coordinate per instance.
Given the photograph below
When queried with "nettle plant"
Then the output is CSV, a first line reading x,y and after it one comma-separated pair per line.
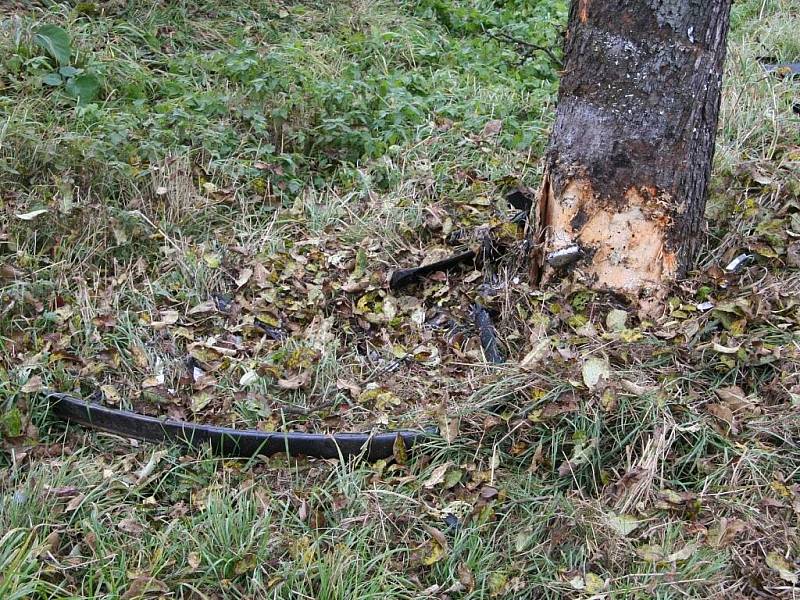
x,y
77,82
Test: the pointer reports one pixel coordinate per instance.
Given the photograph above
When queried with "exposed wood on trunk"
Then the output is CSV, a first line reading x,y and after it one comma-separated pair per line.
x,y
631,150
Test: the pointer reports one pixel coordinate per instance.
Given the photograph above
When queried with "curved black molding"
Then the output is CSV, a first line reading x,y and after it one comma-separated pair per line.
x,y
226,441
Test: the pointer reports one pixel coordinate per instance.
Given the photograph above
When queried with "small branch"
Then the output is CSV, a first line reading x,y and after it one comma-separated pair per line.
x,y
293,409
509,39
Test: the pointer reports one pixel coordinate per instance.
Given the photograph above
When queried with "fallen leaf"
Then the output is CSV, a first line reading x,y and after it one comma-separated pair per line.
x,y
51,544
616,320
249,378
213,260
594,583
352,388
785,570
33,385
595,370
489,493
465,576
200,400
130,525
725,349
723,533
399,450
148,469
30,216
650,553
153,381
144,585
168,317
724,414
209,306
300,380
577,583
244,276
438,545
437,476
449,425
139,357
492,128
566,403
683,554
453,478
75,503
622,524
635,389
539,352
731,394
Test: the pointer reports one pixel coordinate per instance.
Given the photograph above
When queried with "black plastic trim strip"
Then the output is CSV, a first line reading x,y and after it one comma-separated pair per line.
x,y
226,441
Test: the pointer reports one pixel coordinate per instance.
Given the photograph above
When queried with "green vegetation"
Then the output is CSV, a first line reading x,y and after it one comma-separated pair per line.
x,y
200,204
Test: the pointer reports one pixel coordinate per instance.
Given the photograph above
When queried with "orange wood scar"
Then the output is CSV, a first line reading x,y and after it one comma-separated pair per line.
x,y
583,10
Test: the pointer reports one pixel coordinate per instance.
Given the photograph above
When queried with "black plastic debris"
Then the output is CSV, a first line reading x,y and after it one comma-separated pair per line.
x,y
783,68
404,277
520,199
487,335
226,441
451,521
275,333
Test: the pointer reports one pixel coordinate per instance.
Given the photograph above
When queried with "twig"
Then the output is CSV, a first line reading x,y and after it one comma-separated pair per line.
x,y
293,409
510,39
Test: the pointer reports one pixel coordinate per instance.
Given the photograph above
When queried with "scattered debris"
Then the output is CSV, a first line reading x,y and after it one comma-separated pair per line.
x,y
739,263
486,332
226,441
564,257
783,68
404,277
520,199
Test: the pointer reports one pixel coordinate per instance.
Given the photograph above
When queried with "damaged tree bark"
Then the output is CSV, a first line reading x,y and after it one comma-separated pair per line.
x,y
630,154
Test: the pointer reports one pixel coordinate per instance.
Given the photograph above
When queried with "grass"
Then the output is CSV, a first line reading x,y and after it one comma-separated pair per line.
x,y
222,213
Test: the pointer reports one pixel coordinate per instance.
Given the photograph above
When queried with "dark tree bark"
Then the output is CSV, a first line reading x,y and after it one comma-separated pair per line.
x,y
623,196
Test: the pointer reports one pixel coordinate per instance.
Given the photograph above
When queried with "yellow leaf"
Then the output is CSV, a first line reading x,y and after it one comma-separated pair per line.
x,y
594,583
785,570
399,450
111,394
212,260
650,553
436,554
622,524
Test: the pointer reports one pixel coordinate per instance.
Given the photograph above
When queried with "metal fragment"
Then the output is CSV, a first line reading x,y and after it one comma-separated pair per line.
x,y
564,257
739,263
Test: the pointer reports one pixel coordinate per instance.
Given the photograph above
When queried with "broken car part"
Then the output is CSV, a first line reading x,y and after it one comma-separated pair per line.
x,y
404,277
520,200
227,441
739,263
564,257
486,333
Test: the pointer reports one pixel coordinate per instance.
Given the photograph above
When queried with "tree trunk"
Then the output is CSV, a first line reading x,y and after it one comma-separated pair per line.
x,y
622,201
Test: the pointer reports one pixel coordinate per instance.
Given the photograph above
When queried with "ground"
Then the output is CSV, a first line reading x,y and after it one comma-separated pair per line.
x,y
202,205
